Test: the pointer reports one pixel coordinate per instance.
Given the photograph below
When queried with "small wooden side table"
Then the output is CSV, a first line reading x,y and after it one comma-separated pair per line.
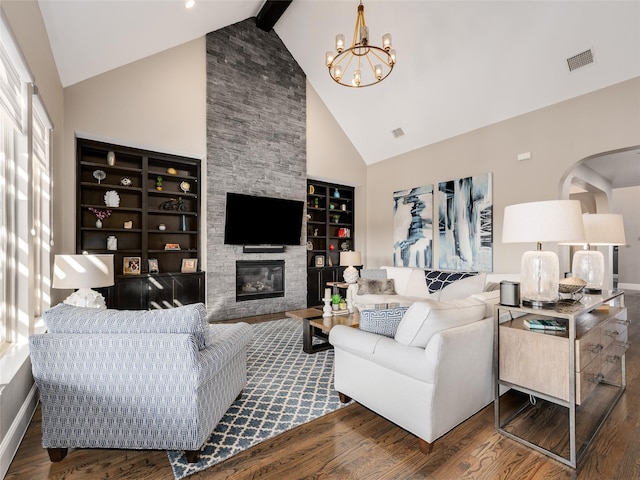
x,y
314,325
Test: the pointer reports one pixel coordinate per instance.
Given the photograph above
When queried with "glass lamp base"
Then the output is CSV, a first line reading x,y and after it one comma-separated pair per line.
x,y
589,266
540,273
539,304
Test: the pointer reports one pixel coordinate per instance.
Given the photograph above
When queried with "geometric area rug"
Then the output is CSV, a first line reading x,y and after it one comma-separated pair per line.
x,y
285,388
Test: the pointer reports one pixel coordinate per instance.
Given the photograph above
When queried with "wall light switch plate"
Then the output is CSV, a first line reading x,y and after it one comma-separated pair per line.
x,y
524,156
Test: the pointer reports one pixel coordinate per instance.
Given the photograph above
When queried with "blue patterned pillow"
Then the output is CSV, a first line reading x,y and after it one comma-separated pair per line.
x,y
383,322
437,279
191,319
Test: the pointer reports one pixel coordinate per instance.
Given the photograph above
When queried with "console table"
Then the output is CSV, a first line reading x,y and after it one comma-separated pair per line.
x,y
579,372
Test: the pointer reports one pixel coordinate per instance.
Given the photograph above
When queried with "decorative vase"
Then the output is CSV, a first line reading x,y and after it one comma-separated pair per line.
x,y
112,242
336,193
98,223
183,223
111,159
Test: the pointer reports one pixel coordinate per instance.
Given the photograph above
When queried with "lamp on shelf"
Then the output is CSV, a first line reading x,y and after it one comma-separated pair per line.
x,y
83,272
536,222
350,259
600,229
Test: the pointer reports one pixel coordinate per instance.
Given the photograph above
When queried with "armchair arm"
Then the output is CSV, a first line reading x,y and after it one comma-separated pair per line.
x,y
223,343
384,351
464,359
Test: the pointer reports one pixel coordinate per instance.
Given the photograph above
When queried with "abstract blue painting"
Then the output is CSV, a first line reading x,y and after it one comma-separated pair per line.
x,y
465,224
413,227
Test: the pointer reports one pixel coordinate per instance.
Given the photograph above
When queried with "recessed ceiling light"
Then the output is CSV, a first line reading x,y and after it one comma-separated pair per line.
x,y
189,3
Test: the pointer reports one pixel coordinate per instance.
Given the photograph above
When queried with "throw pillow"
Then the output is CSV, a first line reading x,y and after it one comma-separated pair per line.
x,y
190,319
373,273
463,288
417,287
383,322
376,287
438,279
424,319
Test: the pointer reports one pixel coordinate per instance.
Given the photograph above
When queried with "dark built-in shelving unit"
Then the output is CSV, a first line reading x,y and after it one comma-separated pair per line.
x,y
175,203
330,229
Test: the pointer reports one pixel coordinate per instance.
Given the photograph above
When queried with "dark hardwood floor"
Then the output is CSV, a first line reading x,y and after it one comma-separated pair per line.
x,y
354,443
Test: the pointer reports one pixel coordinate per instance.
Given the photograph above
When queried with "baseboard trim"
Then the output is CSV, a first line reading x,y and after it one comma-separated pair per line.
x,y
17,430
629,286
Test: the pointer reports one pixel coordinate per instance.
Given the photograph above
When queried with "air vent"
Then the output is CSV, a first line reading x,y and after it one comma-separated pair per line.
x,y
398,132
580,60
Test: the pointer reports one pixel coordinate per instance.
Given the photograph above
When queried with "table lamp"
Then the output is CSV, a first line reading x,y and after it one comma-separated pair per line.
x,y
600,229
547,221
349,259
83,272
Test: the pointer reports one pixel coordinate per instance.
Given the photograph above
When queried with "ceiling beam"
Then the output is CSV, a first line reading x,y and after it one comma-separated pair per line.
x,y
270,13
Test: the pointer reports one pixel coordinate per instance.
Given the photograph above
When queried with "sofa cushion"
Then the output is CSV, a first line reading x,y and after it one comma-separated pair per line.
x,y
424,319
489,299
400,277
417,286
373,273
462,288
382,321
376,287
190,319
439,279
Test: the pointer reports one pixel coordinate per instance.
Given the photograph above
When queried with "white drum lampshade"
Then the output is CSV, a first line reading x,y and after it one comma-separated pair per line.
x,y
349,260
83,272
601,229
536,222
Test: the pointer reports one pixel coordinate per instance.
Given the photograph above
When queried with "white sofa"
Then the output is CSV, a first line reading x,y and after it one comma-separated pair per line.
x,y
427,373
409,286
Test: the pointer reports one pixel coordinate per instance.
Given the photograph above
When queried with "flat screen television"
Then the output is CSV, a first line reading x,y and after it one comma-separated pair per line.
x,y
254,220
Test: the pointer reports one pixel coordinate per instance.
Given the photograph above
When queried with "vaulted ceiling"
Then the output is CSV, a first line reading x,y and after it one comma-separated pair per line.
x,y
461,65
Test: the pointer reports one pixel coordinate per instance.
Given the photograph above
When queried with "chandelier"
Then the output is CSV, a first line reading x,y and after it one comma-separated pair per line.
x,y
362,63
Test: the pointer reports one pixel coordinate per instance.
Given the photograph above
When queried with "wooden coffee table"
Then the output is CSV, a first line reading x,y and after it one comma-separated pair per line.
x,y
315,325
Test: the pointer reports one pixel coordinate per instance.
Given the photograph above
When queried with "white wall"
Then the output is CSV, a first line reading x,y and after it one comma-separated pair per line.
x,y
625,202
558,137
157,103
331,157
18,395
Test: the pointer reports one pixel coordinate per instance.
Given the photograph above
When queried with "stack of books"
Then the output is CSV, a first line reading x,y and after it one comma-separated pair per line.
x,y
545,324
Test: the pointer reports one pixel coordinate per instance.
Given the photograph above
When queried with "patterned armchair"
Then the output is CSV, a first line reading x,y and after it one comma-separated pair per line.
x,y
160,379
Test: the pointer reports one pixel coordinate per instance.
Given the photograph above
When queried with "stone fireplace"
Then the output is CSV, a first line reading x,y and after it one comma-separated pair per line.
x,y
257,279
256,145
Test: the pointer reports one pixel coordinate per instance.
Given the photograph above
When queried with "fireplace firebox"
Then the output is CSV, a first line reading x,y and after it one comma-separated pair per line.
x,y
258,279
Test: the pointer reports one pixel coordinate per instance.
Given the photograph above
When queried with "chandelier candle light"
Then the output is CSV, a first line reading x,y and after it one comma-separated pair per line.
x,y
369,64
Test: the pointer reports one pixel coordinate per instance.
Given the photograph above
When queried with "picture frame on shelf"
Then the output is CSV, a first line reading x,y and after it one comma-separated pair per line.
x,y
131,265
189,265
319,260
153,265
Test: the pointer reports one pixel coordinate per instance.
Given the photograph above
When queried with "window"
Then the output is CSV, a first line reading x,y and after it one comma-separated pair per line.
x,y
25,196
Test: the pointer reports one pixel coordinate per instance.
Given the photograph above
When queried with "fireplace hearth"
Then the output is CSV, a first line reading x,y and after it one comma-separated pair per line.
x,y
258,279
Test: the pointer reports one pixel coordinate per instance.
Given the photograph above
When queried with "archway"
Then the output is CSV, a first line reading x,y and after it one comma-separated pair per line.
x,y
597,181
